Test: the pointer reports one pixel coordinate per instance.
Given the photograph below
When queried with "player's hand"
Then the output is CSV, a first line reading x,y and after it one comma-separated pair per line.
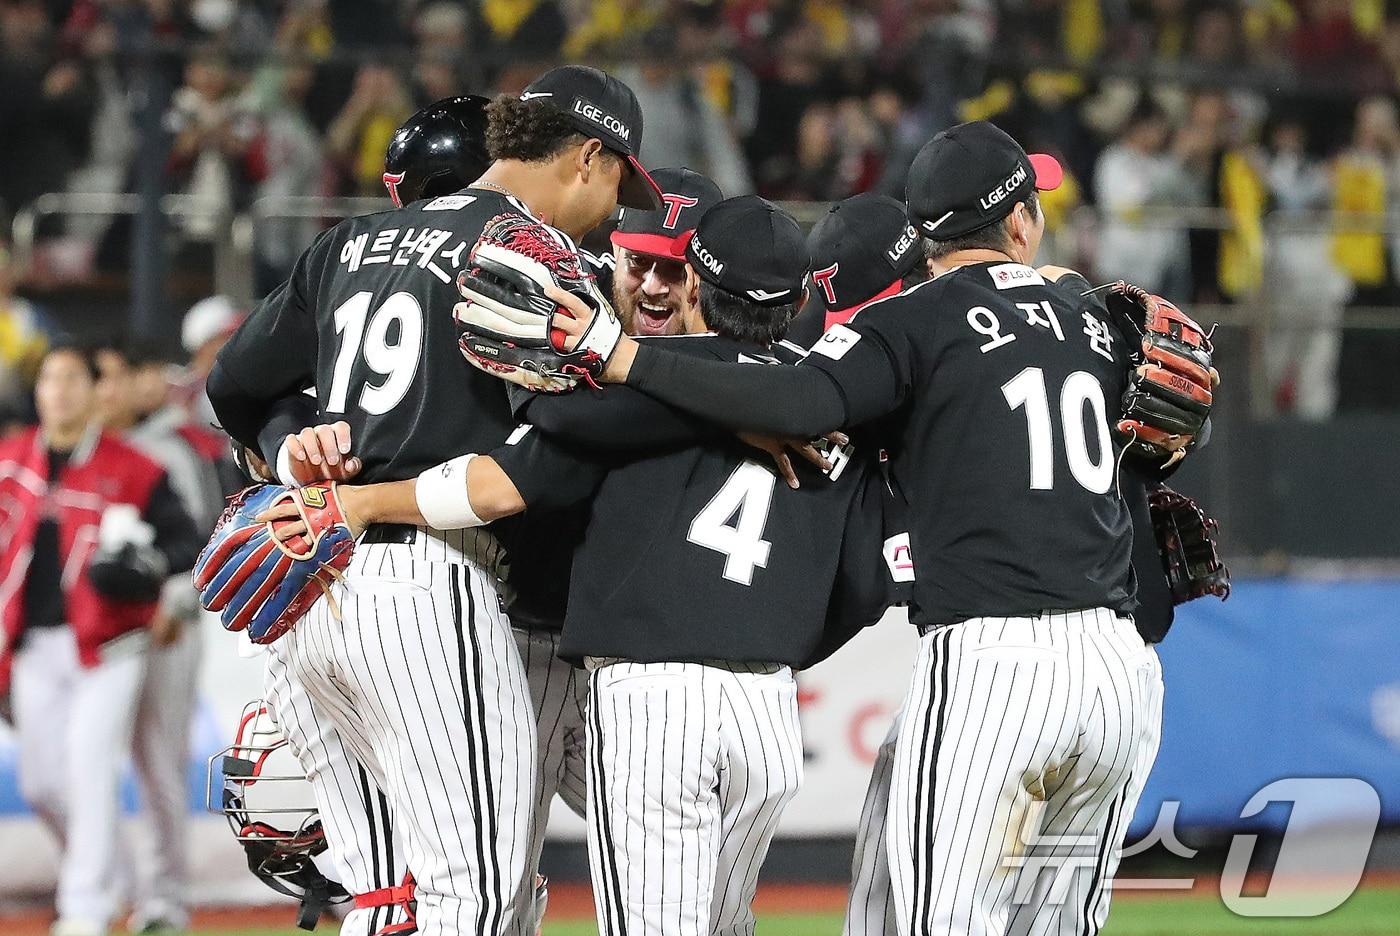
x,y
572,327
294,526
779,449
322,453
165,629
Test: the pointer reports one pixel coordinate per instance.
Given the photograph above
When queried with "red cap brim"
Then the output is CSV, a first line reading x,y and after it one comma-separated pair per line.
x,y
639,189
1048,171
657,245
842,316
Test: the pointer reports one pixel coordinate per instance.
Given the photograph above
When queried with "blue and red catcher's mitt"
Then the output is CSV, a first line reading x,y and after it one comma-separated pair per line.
x,y
264,586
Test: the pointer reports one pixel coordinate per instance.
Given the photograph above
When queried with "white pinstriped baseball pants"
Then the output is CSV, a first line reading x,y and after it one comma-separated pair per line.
x,y
689,768
1056,718
360,834
423,680
870,902
559,697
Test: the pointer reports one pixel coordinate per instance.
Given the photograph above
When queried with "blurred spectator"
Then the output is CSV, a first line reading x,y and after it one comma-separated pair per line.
x,y
94,531
608,25
357,138
23,340
46,104
522,29
1366,183
205,329
682,127
783,99
1135,174
1303,286
211,142
133,394
285,156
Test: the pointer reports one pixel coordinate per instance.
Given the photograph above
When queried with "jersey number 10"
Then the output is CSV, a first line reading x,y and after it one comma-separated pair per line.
x,y
396,363
1027,389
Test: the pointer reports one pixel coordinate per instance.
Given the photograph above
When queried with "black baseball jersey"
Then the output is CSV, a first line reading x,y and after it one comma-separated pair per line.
x,y
366,318
694,549
1003,385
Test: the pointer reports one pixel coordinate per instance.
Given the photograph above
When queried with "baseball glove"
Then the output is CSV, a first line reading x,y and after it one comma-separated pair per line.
x,y
1187,540
1172,386
506,320
264,586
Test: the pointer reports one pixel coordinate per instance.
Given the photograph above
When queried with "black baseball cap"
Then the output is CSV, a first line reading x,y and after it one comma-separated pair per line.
x,y
971,175
604,108
861,250
685,197
748,246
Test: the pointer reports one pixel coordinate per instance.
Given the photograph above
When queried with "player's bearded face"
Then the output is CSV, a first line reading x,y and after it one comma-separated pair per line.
x,y
651,293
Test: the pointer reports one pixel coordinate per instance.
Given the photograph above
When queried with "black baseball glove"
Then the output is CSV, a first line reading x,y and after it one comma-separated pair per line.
x,y
1172,386
1187,540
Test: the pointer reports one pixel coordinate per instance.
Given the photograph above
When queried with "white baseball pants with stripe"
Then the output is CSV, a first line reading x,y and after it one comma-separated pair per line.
x,y
689,768
360,833
1024,747
870,902
73,727
161,752
421,677
559,698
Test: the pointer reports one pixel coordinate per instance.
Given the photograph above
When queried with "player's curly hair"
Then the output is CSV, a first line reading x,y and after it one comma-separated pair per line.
x,y
530,131
988,237
738,318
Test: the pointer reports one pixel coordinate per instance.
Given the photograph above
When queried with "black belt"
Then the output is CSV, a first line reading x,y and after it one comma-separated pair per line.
x,y
395,534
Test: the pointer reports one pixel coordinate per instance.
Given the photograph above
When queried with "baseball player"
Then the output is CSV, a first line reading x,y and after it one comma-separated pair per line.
x,y
998,381
653,286
420,673
92,530
132,400
651,248
863,249
438,151
683,805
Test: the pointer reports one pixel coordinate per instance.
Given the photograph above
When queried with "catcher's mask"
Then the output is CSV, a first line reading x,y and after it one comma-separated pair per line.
x,y
268,804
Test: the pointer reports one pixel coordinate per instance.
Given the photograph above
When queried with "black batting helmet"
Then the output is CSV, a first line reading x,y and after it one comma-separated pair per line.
x,y
438,150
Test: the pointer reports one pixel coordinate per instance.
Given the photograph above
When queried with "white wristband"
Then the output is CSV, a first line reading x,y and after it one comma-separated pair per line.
x,y
441,493
283,467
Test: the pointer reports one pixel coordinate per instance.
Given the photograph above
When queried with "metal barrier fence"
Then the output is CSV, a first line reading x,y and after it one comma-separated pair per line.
x,y
1255,318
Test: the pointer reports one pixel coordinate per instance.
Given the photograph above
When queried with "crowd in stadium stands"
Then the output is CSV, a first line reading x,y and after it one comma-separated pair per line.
x,y
1257,109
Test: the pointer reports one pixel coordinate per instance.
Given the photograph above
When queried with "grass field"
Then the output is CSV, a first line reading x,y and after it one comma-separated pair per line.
x,y
1372,912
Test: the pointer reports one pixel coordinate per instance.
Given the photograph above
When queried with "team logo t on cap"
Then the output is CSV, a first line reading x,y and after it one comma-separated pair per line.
x,y
861,250
685,197
604,108
749,247
971,175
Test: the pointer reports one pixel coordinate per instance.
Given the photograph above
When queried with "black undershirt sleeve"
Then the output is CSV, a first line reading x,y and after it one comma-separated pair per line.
x,y
547,474
176,537
272,355
616,419
288,416
787,401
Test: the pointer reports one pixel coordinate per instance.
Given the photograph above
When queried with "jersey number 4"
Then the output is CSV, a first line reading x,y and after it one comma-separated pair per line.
x,y
745,498
1027,389
395,362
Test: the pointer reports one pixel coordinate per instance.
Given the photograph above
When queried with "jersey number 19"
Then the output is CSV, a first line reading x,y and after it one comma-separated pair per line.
x,y
395,361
